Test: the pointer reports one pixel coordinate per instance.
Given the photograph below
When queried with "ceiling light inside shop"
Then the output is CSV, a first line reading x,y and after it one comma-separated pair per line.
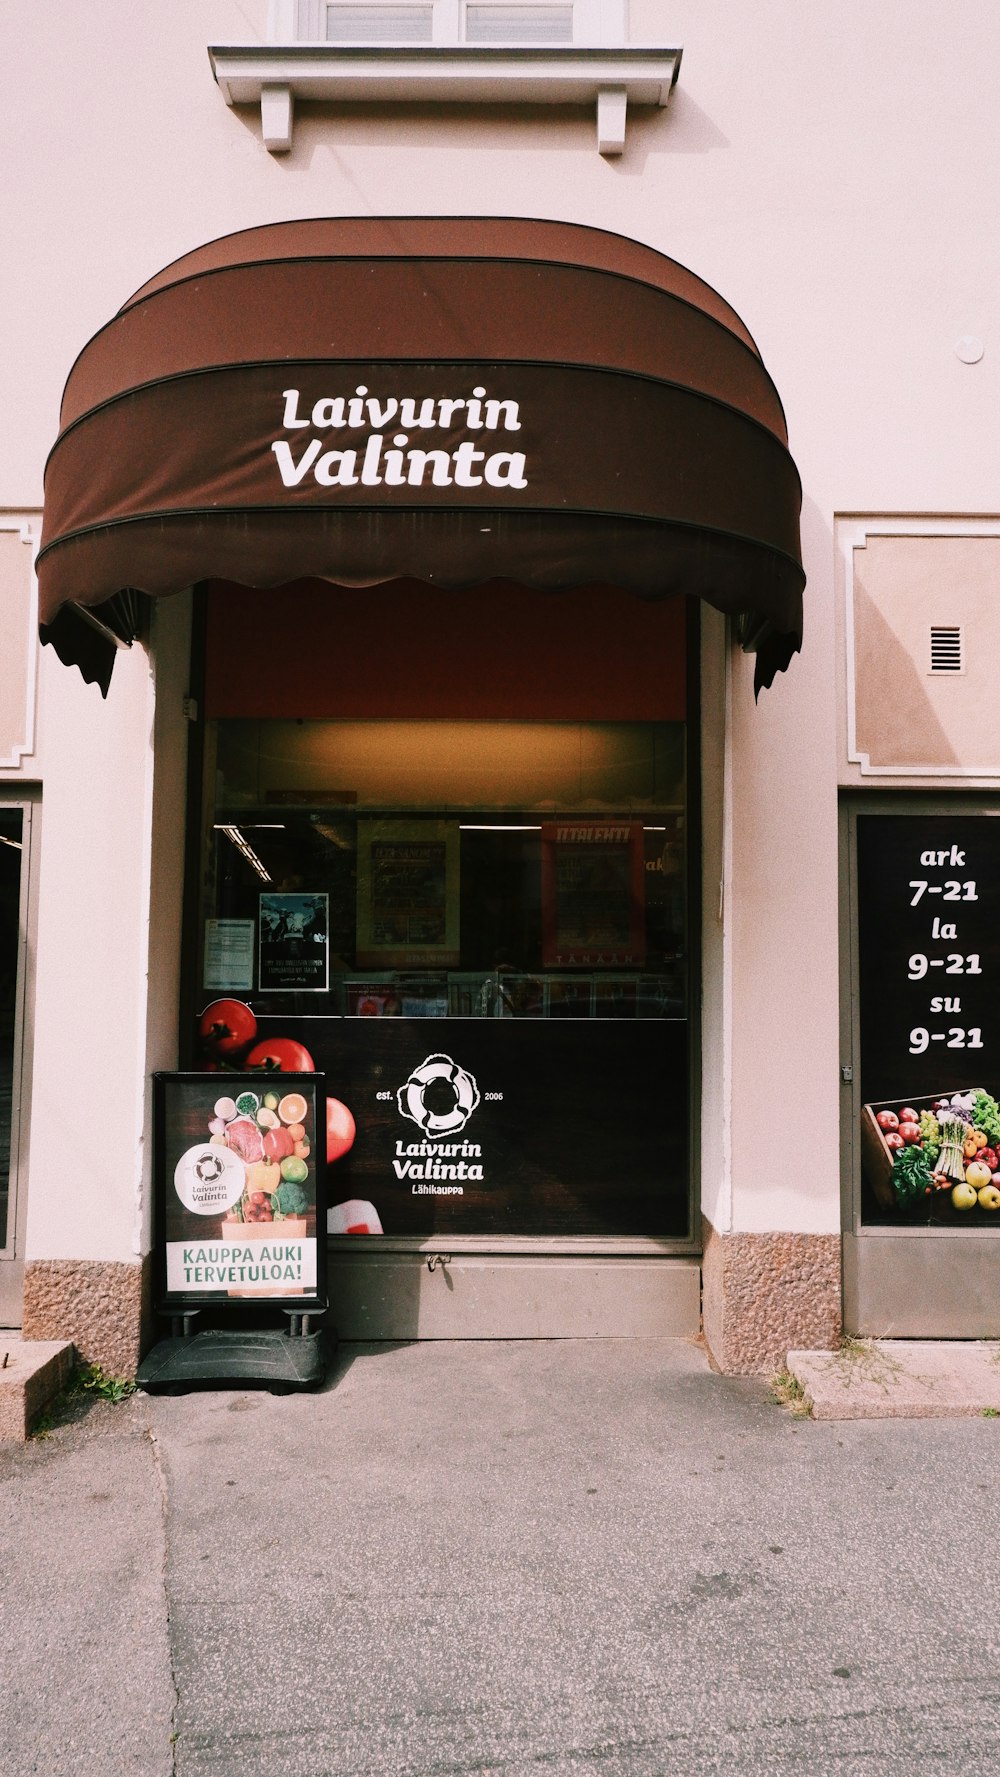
x,y
344,840
246,850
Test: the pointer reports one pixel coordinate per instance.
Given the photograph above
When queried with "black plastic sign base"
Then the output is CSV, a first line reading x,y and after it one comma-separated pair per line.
x,y
223,1357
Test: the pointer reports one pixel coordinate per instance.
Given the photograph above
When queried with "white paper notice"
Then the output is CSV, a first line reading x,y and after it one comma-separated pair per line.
x,y
229,948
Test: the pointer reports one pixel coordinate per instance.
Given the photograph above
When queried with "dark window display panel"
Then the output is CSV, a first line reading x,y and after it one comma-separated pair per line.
x,y
928,894
490,1127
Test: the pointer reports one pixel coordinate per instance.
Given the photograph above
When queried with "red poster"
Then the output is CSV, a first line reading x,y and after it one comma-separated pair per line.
x,y
593,895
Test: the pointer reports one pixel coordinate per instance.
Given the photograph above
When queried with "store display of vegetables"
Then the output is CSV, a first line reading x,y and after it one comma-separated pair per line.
x,y
227,1029
954,1148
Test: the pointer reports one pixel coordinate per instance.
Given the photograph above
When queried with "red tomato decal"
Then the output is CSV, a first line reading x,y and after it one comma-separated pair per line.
x,y
280,1055
340,1130
226,1026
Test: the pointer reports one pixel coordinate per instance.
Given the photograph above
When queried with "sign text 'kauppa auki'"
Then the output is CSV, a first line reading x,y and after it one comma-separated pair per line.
x,y
228,1264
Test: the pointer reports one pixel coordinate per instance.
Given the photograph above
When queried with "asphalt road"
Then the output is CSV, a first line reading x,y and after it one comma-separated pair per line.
x,y
500,1559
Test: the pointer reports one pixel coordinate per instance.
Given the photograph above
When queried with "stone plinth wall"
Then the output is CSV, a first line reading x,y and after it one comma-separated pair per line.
x,y
102,1306
764,1295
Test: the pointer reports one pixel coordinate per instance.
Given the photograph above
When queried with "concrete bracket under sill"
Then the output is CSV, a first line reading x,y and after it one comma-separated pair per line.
x,y
277,118
612,107
274,76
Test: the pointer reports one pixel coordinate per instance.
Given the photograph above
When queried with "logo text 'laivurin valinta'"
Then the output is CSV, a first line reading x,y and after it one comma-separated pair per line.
x,y
439,1097
385,459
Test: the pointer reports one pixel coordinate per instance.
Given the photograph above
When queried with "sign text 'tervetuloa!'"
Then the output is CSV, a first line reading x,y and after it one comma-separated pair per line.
x,y
374,463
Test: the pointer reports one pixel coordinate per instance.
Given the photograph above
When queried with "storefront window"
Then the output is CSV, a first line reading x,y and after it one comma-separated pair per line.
x,y
449,869
477,928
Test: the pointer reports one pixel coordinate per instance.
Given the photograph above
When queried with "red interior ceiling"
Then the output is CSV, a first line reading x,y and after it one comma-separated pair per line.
x,y
409,649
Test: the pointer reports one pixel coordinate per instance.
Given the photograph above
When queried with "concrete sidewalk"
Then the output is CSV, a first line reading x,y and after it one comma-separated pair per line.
x,y
550,1557
900,1379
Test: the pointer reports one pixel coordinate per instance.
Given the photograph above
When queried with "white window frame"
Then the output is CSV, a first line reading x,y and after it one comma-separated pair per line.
x,y
598,22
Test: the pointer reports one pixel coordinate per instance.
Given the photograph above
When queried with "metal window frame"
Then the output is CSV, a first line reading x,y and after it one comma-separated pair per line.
x,y
200,806
905,1282
28,801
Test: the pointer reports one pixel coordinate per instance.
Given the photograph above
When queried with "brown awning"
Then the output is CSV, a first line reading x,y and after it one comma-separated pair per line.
x,y
449,399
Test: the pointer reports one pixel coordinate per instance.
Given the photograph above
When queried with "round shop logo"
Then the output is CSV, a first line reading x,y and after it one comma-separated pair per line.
x,y
209,1179
439,1096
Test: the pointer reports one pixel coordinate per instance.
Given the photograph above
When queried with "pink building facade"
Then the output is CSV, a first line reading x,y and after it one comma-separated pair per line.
x,y
648,322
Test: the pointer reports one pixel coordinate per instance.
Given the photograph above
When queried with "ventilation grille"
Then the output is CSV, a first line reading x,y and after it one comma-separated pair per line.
x,y
946,649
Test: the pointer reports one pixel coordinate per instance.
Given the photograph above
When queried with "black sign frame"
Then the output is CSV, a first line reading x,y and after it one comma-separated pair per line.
x,y
240,1285
919,922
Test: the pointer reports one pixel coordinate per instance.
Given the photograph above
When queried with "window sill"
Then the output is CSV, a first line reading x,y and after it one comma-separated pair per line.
x,y
612,79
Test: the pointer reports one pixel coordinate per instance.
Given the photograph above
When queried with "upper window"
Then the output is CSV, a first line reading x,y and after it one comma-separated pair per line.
x,y
379,24
462,21
518,24
481,52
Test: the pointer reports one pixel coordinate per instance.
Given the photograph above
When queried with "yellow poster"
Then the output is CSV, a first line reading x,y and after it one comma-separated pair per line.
x,y
408,895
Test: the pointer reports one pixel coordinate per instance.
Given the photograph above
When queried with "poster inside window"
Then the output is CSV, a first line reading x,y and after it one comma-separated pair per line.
x,y
594,894
294,953
408,894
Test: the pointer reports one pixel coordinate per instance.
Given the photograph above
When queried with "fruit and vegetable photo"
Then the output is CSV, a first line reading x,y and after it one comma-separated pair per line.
x,y
938,1157
259,1128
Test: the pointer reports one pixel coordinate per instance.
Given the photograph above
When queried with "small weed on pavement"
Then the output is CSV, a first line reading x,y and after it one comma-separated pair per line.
x,y
861,1359
87,1383
790,1393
